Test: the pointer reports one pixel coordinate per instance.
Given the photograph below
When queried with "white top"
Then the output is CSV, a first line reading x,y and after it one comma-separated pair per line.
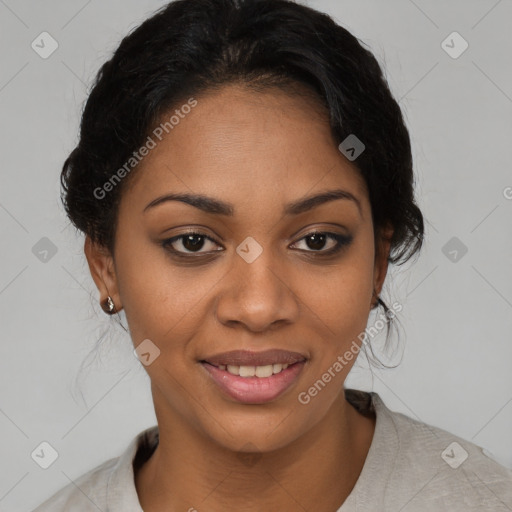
x,y
410,467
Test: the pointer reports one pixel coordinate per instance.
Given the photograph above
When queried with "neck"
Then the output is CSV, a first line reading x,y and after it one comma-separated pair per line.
x,y
315,472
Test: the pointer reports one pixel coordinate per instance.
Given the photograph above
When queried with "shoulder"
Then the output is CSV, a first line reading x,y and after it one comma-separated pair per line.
x,y
109,486
435,469
87,493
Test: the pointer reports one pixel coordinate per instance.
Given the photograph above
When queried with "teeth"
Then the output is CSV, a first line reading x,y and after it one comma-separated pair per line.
x,y
254,371
264,371
247,371
235,370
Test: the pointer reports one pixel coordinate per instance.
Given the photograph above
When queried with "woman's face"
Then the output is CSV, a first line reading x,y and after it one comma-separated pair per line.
x,y
254,278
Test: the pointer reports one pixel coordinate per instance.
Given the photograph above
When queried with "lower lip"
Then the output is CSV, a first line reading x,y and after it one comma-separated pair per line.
x,y
254,390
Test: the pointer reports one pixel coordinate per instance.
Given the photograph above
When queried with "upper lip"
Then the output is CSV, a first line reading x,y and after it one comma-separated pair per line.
x,y
248,358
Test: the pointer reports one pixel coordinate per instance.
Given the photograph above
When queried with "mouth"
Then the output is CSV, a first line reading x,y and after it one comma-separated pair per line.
x,y
254,377
248,358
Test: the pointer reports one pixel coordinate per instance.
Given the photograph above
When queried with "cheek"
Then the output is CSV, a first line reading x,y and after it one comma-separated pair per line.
x,y
160,299
341,298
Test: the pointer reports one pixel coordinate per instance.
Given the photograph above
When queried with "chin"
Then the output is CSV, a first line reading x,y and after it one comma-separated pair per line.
x,y
254,430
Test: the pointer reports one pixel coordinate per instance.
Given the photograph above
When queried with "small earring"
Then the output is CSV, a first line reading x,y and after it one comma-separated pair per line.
x,y
109,306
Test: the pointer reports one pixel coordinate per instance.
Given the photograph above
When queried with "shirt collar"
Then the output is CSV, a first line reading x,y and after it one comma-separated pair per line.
x,y
122,494
370,487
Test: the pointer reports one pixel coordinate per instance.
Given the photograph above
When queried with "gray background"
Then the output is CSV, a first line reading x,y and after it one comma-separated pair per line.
x,y
455,349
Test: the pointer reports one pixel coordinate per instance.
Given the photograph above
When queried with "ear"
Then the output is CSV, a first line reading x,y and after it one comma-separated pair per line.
x,y
101,266
381,258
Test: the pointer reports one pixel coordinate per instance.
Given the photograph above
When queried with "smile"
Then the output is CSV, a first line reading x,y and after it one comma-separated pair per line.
x,y
254,371
254,389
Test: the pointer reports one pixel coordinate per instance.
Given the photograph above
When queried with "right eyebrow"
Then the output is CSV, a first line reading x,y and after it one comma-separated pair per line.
x,y
204,203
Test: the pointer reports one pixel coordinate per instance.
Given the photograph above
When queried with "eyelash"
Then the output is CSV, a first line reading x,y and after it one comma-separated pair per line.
x,y
342,241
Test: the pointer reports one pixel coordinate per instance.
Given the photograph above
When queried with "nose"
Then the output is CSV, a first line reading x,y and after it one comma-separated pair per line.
x,y
258,295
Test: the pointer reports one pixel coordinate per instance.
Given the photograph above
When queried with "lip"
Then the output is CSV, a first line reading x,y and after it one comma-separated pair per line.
x,y
254,390
249,358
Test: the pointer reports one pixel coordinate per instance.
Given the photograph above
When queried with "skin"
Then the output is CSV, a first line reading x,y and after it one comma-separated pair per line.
x,y
258,151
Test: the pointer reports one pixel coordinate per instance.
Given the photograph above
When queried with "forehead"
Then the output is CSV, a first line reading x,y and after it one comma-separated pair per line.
x,y
240,143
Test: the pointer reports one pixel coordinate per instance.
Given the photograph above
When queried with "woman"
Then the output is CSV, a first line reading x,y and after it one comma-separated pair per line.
x,y
243,179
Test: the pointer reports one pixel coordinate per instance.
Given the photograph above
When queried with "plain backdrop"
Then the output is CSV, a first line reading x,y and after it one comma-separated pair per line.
x,y
455,348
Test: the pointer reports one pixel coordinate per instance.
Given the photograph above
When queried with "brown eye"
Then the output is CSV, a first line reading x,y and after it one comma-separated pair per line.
x,y
191,242
316,242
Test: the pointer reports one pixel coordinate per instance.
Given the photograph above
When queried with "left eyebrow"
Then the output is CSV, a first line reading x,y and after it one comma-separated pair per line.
x,y
218,207
310,202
